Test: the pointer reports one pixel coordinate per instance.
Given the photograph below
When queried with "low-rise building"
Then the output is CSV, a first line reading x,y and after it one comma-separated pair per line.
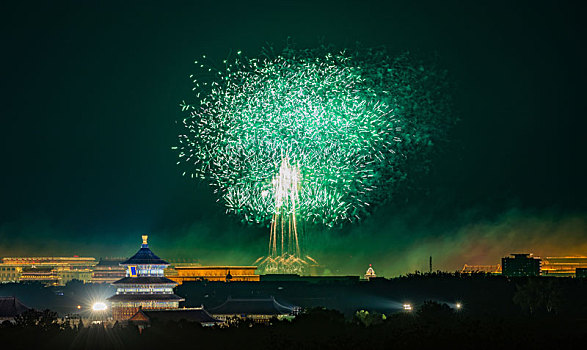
x,y
45,275
562,266
108,271
48,270
257,310
195,314
181,274
492,269
10,273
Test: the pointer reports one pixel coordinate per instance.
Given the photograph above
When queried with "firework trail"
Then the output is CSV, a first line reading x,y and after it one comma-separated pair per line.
x,y
346,120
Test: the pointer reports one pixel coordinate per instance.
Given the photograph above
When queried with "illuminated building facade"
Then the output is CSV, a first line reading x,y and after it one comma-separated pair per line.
x,y
48,270
182,274
10,273
45,275
520,265
370,273
563,266
492,269
144,287
256,310
48,261
108,271
195,314
68,274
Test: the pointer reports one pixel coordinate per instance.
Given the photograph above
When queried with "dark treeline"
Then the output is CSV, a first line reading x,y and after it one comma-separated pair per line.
x,y
481,294
497,313
431,326
62,299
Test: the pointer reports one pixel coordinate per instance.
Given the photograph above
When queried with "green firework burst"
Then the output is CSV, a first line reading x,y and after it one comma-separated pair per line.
x,y
346,120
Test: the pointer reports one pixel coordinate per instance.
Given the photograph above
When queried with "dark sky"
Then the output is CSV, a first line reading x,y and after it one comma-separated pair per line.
x,y
90,94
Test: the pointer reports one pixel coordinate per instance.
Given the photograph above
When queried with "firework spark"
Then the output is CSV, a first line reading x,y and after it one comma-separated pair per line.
x,y
346,121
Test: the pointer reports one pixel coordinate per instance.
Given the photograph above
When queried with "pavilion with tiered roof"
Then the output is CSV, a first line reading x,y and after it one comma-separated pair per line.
x,y
144,287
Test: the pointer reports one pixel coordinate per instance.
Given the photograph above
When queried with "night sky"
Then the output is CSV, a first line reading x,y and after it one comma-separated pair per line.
x,y
90,94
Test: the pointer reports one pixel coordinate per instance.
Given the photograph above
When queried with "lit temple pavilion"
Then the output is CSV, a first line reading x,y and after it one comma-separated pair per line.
x,y
144,286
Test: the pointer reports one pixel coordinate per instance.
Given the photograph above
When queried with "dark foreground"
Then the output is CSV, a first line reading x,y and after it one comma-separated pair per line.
x,y
431,326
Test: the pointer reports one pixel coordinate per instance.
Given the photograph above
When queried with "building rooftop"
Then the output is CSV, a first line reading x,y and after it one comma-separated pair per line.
x,y
109,263
11,307
192,314
267,306
214,267
145,256
138,297
144,280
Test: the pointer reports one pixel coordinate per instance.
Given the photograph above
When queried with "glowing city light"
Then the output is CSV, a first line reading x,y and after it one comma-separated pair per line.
x,y
99,306
407,307
458,306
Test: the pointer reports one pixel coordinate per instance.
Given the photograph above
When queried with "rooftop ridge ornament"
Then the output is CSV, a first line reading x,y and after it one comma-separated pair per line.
x,y
145,244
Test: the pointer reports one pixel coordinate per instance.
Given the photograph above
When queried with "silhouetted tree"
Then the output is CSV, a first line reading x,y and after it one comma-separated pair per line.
x,y
368,319
538,296
43,320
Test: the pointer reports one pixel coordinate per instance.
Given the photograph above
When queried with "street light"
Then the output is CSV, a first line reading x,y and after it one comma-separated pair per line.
x,y
407,307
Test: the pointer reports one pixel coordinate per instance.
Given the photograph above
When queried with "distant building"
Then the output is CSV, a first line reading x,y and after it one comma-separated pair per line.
x,y
562,266
257,310
68,274
309,279
492,269
144,286
520,265
196,314
48,261
108,271
10,307
45,275
10,273
181,274
48,270
370,273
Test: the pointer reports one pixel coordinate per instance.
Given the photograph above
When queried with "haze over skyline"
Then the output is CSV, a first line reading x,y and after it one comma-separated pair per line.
x,y
90,101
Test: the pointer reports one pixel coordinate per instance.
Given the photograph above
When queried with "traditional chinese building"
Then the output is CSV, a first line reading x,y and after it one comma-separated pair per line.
x,y
194,314
10,308
108,271
51,271
144,286
181,274
256,310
